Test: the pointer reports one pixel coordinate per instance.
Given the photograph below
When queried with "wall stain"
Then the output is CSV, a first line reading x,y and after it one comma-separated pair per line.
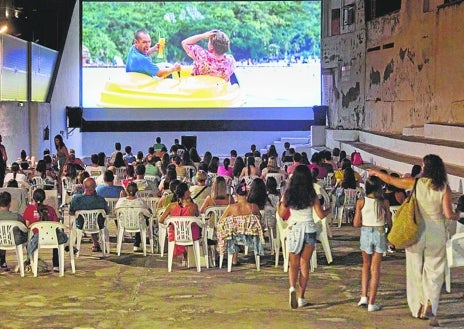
x,y
351,96
411,56
420,66
374,77
388,70
403,53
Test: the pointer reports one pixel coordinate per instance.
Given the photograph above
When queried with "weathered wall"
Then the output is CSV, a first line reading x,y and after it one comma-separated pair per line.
x,y
344,56
411,72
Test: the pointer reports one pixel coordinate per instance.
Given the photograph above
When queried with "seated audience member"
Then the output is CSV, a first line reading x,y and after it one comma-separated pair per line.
x,y
272,168
338,174
95,169
218,195
24,161
316,163
180,169
238,167
250,170
304,158
45,213
151,169
41,171
78,187
128,157
287,156
233,156
49,165
296,163
15,174
213,165
142,183
341,158
117,148
167,178
200,190
6,214
326,159
240,211
272,201
186,160
158,146
264,160
168,197
139,158
102,160
251,153
272,152
194,156
131,201
89,200
225,169
184,207
77,162
207,158
336,155
107,189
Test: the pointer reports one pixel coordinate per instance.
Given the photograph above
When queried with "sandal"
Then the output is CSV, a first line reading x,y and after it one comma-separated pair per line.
x,y
422,314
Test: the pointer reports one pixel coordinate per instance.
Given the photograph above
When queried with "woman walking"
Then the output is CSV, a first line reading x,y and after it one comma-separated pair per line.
x,y
300,201
426,259
372,213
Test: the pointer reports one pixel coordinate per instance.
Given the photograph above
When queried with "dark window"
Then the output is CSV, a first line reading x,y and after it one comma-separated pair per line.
x,y
348,15
335,22
378,8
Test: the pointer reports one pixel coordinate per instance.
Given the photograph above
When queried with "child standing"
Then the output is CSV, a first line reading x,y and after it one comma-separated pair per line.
x,y
372,213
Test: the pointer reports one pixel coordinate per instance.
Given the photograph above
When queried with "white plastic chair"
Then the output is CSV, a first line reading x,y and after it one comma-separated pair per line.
x,y
191,172
162,232
131,220
323,237
90,226
120,172
454,255
210,234
281,241
183,237
349,204
47,240
7,241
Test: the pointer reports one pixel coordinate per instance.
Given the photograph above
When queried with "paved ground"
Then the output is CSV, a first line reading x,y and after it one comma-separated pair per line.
x,y
132,291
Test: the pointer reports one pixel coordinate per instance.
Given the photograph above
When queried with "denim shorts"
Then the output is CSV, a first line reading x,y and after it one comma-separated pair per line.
x,y
310,238
373,239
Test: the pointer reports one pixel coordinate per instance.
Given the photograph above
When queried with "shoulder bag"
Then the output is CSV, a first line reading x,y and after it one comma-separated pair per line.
x,y
406,223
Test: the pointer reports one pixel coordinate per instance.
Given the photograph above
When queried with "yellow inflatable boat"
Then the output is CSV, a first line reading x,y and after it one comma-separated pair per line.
x,y
139,90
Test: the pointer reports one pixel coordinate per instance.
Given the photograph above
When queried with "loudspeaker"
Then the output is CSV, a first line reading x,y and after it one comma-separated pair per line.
x,y
189,141
74,115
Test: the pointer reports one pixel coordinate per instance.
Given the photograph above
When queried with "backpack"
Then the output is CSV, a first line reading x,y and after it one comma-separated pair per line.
x,y
356,158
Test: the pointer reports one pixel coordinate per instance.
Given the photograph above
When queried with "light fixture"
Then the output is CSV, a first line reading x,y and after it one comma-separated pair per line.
x,y
3,28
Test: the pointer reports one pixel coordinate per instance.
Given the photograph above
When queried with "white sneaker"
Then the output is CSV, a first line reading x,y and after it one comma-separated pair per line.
x,y
363,301
302,302
374,307
292,298
137,249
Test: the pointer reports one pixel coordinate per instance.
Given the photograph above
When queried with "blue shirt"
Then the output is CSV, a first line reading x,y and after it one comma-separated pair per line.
x,y
87,202
141,63
108,191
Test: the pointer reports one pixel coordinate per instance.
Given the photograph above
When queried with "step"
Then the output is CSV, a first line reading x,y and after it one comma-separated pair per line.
x,y
448,132
400,162
452,152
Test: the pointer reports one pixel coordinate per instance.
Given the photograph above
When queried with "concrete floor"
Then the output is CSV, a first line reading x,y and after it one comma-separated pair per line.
x,y
133,291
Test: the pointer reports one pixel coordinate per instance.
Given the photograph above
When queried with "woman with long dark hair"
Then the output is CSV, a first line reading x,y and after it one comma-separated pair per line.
x,y
298,204
61,152
426,259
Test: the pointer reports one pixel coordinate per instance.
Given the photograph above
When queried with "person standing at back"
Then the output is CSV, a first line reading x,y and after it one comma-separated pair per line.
x,y
426,259
158,146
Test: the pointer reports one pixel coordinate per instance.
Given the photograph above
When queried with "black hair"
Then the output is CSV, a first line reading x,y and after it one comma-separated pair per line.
x,y
300,193
258,193
39,197
5,199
